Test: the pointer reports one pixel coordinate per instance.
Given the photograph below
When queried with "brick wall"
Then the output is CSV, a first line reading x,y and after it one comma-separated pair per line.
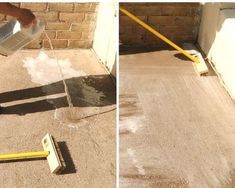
x,y
68,25
177,21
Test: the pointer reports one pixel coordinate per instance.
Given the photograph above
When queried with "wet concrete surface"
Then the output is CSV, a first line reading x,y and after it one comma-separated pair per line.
x,y
84,130
176,129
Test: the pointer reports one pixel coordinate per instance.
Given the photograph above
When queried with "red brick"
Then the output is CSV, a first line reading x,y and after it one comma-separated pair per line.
x,y
125,29
57,26
50,34
125,20
153,40
69,34
35,6
178,21
131,39
80,44
62,7
57,44
72,17
138,29
85,7
87,35
161,20
87,27
90,17
183,38
147,11
175,11
183,20
48,16
173,4
169,29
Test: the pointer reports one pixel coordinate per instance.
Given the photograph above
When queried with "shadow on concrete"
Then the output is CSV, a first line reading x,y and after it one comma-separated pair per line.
x,y
182,57
85,91
126,49
70,166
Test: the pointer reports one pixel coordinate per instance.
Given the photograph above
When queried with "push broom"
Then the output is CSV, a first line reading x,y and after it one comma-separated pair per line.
x,y
197,59
51,152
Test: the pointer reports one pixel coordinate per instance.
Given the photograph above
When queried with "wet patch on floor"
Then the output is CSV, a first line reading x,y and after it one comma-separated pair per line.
x,y
88,91
76,117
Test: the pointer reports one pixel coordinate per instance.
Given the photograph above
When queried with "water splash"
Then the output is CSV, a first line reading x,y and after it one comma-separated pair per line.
x,y
61,73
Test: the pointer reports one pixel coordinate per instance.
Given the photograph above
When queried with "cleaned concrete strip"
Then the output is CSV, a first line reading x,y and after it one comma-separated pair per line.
x,y
186,134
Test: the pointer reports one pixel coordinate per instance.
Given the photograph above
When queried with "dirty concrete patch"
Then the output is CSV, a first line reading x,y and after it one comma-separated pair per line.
x,y
131,114
86,135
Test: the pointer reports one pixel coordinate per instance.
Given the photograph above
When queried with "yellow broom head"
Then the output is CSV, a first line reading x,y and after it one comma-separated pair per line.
x,y
200,66
55,160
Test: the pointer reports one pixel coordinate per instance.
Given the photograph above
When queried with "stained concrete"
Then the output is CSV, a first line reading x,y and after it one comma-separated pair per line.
x,y
176,129
85,131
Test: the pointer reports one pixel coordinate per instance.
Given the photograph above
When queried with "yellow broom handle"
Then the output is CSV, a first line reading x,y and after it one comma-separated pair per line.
x,y
133,17
37,154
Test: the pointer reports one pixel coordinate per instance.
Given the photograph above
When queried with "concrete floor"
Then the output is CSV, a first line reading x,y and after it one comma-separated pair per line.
x,y
34,103
176,129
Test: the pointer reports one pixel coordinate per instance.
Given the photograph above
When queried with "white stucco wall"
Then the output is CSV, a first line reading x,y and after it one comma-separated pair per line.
x,y
217,40
105,38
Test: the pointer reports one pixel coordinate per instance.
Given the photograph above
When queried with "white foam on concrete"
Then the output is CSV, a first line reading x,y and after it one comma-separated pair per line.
x,y
132,154
132,124
44,69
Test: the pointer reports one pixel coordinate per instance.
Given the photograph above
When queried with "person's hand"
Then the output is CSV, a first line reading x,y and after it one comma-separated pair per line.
x,y
26,18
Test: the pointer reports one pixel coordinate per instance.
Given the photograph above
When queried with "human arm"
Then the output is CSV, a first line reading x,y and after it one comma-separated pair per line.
x,y
24,16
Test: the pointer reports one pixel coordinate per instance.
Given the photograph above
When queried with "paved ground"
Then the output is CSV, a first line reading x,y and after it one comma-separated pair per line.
x,y
176,129
82,120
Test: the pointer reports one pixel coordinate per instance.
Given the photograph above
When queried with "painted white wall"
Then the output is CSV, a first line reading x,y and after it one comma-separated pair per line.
x,y
217,40
105,37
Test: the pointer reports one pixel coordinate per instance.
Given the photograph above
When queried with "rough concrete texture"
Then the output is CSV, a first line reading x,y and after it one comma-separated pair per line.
x,y
34,105
176,129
